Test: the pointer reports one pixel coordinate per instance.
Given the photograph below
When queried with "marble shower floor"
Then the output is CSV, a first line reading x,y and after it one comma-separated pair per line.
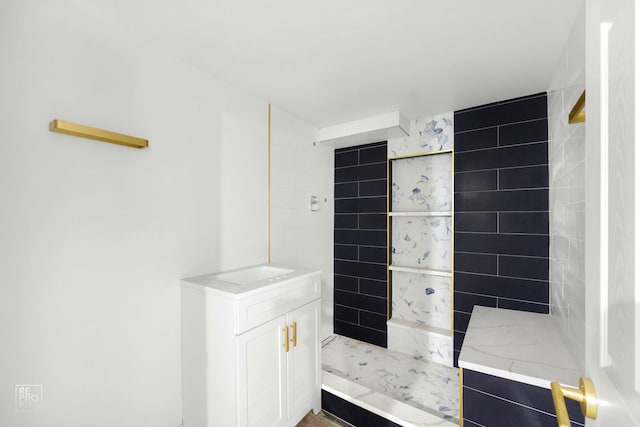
x,y
393,385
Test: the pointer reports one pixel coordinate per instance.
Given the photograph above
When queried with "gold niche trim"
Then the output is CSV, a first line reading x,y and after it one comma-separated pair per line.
x,y
389,166
74,129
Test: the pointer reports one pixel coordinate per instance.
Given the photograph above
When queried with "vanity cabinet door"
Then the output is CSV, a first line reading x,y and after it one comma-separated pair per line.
x,y
262,375
303,361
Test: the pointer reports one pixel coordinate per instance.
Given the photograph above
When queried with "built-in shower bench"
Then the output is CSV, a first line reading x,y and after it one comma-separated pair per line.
x,y
508,361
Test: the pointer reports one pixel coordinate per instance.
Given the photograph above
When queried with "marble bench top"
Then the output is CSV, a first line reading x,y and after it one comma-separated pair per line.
x,y
517,345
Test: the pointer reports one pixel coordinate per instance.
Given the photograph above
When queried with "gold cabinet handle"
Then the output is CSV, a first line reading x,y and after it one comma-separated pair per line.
x,y
286,338
295,334
585,395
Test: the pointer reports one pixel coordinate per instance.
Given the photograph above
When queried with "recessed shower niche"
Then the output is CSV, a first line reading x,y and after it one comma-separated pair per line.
x,y
420,262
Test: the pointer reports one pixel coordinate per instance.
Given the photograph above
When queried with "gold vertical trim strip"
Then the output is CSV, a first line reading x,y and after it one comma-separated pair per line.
x,y
269,185
461,414
74,129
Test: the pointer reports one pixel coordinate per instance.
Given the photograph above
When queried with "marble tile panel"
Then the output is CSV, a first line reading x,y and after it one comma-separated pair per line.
x,y
423,242
427,134
416,340
422,184
421,298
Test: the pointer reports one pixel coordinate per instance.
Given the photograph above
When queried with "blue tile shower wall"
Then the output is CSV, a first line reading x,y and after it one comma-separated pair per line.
x,y
501,195
490,401
360,243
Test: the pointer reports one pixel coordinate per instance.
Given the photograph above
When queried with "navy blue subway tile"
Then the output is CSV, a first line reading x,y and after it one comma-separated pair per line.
x,y
481,117
347,205
527,267
373,254
361,205
523,244
345,314
486,222
523,109
373,221
345,237
511,200
464,302
361,173
362,333
346,158
376,288
348,252
458,339
372,145
372,238
476,107
476,181
476,139
531,307
524,177
524,222
353,414
348,189
456,356
475,242
523,97
373,155
373,320
490,411
345,221
461,320
372,304
502,287
476,263
376,187
347,299
521,393
503,157
501,113
373,205
360,269
345,283
520,133
508,244
360,238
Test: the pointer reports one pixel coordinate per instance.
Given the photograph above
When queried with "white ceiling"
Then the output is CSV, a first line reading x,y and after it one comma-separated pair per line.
x,y
332,61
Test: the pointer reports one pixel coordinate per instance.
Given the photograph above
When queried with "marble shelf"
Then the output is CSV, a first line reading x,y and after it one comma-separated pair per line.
x,y
519,346
419,213
419,270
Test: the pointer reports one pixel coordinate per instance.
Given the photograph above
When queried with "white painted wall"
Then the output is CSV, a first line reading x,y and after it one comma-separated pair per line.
x,y
567,192
301,167
94,237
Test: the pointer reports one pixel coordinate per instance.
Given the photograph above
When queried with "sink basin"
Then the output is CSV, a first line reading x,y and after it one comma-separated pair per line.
x,y
252,274
246,281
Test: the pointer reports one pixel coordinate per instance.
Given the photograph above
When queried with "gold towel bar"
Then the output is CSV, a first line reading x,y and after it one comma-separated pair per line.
x,y
75,129
577,114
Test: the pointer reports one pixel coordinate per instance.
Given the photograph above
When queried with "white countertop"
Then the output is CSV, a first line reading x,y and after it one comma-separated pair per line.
x,y
518,345
253,279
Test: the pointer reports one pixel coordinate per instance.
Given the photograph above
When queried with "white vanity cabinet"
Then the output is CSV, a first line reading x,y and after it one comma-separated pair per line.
x,y
251,351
